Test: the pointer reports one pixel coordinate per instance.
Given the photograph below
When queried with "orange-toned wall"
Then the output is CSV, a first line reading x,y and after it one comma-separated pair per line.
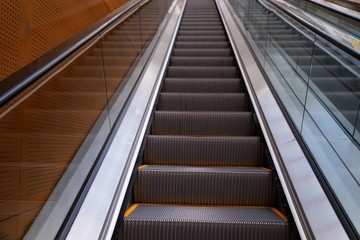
x,y
30,28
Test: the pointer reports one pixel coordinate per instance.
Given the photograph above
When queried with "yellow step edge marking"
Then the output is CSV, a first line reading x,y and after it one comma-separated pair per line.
x,y
130,210
143,166
280,214
266,169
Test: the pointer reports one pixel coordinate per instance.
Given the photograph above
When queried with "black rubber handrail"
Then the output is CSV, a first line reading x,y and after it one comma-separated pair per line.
x,y
303,19
16,83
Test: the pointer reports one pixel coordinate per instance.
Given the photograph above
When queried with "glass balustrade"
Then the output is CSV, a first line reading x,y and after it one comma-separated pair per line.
x,y
319,86
52,133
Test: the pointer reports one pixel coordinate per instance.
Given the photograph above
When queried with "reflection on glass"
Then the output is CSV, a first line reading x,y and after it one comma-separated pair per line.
x,y
40,134
42,130
121,51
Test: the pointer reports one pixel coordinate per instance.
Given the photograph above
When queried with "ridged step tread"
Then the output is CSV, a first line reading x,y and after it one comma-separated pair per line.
x,y
201,33
163,184
198,45
203,52
199,28
202,72
203,151
202,61
158,222
203,85
203,123
203,102
202,38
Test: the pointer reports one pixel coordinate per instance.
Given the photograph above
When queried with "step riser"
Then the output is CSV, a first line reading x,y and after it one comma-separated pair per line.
x,y
202,61
202,102
203,151
202,72
205,188
200,124
178,52
202,85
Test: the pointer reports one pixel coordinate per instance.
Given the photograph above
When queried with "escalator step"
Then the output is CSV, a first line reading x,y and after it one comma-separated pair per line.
x,y
202,102
202,61
210,45
156,222
202,72
163,184
214,85
203,123
202,38
202,52
201,33
201,24
203,151
199,28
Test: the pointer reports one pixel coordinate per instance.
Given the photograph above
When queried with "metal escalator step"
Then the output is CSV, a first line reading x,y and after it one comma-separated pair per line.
x,y
203,102
225,52
202,17
201,33
202,61
202,72
164,184
202,38
200,14
198,45
199,28
343,84
203,123
159,222
331,71
194,20
203,85
203,151
201,24
344,100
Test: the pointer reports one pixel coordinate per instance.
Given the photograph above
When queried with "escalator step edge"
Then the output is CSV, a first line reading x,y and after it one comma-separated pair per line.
x,y
164,222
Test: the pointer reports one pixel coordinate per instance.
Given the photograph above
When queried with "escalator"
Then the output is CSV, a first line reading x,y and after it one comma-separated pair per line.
x,y
204,173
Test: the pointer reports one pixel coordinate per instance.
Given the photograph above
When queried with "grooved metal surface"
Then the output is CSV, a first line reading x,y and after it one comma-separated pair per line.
x,y
203,123
204,185
203,102
202,151
215,223
198,85
203,154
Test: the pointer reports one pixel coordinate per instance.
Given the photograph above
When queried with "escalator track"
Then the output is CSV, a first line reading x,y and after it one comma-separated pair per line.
x,y
204,174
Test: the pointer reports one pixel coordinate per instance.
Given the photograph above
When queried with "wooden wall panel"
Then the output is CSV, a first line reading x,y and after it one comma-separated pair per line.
x,y
30,28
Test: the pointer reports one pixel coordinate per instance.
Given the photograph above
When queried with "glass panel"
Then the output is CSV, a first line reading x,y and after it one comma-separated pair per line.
x,y
283,83
51,135
41,132
335,79
336,156
318,84
121,53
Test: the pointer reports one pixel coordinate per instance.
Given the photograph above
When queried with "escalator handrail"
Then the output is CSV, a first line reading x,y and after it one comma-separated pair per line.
x,y
13,85
352,14
322,29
